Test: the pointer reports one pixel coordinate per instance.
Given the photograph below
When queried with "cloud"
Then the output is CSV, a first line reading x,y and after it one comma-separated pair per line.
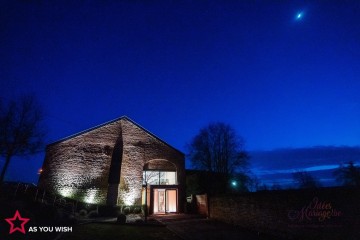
x,y
277,166
304,158
308,169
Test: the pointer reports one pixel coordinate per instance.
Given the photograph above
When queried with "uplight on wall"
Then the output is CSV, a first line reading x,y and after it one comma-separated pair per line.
x,y
129,199
66,192
90,196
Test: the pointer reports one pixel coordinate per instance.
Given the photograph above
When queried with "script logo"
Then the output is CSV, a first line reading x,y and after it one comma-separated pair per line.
x,y
316,209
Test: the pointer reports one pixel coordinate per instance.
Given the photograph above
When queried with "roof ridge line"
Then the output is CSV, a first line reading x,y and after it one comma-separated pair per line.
x,y
109,122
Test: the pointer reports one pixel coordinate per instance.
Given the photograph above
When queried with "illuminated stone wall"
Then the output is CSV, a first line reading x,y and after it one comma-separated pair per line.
x,y
139,149
79,166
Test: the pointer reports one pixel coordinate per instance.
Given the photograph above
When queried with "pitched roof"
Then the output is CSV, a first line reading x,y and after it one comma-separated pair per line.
x,y
109,122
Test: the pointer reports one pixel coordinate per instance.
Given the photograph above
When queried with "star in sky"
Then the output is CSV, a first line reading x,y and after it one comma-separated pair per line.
x,y
17,217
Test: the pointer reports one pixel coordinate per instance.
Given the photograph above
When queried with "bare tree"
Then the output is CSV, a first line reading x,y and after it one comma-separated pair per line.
x,y
217,148
305,180
149,177
21,129
348,175
254,184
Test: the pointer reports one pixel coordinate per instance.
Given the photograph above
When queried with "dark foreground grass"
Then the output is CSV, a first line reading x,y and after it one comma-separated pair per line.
x,y
110,231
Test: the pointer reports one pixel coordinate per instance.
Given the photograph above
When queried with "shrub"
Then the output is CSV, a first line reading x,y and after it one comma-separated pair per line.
x,y
93,214
126,210
88,207
108,211
121,219
83,212
137,210
71,220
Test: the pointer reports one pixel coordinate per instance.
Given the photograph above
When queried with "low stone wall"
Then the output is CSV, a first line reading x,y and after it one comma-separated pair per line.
x,y
329,213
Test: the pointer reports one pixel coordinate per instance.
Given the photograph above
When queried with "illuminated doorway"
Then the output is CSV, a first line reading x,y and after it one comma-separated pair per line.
x,y
165,201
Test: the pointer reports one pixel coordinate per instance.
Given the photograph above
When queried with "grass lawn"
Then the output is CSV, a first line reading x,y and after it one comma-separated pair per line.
x,y
110,231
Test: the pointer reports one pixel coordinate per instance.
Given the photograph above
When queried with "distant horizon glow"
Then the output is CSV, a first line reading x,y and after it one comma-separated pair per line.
x,y
307,169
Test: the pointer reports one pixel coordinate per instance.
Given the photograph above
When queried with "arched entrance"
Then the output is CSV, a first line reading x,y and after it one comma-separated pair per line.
x,y
160,186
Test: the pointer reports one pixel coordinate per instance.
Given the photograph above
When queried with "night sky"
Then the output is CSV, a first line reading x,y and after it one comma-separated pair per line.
x,y
284,74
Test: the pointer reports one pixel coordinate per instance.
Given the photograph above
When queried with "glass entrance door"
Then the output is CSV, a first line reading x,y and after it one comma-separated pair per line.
x,y
165,200
171,200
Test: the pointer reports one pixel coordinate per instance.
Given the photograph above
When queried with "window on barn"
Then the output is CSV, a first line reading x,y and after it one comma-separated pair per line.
x,y
154,177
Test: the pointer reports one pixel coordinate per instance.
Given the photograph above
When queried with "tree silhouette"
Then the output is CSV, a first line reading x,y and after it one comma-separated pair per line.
x,y
348,175
21,130
148,178
304,179
218,149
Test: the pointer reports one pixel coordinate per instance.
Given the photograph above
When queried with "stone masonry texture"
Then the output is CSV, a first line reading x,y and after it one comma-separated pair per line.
x,y
104,165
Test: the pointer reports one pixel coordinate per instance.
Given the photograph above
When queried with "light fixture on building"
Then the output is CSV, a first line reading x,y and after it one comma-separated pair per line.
x,y
233,183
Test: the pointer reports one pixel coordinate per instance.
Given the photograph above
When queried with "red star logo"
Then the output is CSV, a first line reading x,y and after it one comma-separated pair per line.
x,y
17,217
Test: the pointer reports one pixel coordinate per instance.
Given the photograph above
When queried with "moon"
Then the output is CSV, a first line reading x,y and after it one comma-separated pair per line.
x,y
299,15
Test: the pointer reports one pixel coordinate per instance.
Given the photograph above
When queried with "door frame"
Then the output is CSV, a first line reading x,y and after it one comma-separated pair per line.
x,y
165,188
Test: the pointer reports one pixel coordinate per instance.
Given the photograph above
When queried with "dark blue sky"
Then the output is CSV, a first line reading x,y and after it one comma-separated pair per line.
x,y
175,66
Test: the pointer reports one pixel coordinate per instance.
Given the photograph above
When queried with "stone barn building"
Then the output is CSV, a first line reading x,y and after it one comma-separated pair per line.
x,y
116,163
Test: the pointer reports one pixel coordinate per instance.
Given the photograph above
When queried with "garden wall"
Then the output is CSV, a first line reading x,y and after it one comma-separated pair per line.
x,y
328,213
